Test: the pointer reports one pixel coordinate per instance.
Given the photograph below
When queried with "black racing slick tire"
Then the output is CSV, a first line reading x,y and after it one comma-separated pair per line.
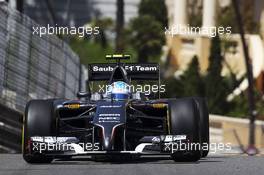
x,y
184,120
204,123
38,121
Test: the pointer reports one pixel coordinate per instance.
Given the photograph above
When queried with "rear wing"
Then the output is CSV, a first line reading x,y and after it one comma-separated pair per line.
x,y
101,72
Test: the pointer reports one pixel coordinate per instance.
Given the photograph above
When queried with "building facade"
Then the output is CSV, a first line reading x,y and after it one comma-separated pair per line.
x,y
182,47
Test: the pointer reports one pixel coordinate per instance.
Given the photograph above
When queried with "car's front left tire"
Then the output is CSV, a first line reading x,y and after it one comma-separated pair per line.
x,y
184,119
204,124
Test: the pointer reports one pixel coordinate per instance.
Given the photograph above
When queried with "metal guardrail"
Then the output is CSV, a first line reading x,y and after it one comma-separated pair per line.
x,y
235,130
10,130
30,67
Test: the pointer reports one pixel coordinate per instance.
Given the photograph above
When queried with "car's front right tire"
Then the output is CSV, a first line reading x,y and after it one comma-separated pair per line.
x,y
38,121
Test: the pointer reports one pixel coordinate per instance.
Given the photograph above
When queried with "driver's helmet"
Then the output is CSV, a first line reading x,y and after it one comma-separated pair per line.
x,y
119,90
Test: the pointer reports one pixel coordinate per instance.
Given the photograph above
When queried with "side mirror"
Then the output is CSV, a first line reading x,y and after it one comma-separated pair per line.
x,y
83,94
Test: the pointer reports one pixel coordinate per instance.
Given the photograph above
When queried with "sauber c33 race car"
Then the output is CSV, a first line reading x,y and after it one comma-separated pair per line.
x,y
118,123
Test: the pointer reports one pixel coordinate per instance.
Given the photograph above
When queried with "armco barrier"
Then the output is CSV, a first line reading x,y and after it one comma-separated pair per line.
x,y
10,130
235,130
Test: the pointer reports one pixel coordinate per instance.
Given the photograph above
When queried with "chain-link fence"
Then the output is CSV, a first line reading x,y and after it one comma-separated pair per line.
x,y
30,67
33,66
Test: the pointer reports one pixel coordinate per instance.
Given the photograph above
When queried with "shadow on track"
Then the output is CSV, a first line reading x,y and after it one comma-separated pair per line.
x,y
142,160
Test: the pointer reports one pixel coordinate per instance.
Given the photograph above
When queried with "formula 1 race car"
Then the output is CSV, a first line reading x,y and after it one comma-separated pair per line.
x,y
117,123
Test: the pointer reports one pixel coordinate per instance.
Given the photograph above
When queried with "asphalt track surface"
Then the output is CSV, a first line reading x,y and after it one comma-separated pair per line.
x,y
215,165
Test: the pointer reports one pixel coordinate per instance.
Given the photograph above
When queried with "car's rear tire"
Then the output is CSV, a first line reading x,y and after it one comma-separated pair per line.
x,y
38,121
204,123
184,120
